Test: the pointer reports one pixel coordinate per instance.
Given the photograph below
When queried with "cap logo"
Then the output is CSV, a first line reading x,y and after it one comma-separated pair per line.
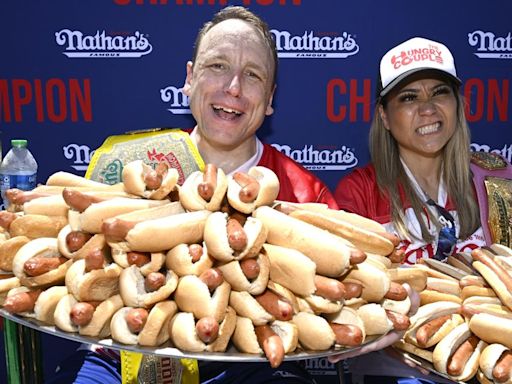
x,y
417,55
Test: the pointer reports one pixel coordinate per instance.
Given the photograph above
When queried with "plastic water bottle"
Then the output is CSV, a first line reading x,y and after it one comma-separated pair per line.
x,y
18,169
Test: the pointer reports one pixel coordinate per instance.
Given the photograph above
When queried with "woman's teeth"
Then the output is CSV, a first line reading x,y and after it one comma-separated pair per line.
x,y
428,129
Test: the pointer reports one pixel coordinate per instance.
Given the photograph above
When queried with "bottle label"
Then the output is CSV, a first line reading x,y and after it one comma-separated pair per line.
x,y
24,182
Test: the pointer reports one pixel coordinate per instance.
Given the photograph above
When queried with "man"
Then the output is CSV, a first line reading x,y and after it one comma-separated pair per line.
x,y
231,83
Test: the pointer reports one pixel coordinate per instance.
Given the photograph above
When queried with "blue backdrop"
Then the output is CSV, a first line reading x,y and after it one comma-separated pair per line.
x,y
73,72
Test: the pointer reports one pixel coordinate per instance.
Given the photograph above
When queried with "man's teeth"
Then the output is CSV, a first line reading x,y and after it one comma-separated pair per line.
x,y
428,129
227,110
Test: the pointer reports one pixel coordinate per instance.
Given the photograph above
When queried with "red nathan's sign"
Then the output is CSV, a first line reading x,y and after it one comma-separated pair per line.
x,y
352,100
245,3
55,100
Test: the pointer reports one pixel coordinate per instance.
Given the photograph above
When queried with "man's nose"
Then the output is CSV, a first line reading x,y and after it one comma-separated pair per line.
x,y
234,87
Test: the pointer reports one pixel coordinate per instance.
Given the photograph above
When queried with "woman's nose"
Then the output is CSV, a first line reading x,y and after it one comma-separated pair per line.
x,y
427,107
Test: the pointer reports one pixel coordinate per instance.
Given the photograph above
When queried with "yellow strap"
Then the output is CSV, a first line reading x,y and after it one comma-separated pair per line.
x,y
190,372
130,363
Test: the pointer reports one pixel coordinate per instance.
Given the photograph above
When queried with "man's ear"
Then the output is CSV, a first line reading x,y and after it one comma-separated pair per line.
x,y
188,79
383,116
270,109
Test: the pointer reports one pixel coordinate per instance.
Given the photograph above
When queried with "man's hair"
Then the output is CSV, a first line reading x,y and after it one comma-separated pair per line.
x,y
241,13
391,176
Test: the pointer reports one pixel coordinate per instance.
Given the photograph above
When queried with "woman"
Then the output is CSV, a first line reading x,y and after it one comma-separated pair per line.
x,y
419,184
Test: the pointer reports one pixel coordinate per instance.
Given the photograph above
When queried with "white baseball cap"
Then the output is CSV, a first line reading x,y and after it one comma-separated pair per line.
x,y
411,56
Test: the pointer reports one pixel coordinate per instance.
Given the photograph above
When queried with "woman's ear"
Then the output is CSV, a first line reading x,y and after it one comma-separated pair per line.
x,y
383,116
188,79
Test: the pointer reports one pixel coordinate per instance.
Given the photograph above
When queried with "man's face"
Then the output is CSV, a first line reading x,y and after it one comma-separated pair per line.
x,y
230,84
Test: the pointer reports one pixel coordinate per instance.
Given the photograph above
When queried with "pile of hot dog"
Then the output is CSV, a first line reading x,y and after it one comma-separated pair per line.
x,y
464,323
214,262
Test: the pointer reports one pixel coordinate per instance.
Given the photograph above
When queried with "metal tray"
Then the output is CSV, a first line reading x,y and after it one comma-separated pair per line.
x,y
231,354
425,364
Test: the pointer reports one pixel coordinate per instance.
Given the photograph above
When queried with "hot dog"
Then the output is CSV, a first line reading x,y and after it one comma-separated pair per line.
x,y
205,334
438,289
246,192
457,354
188,259
492,328
142,180
95,324
375,281
77,244
35,226
93,278
92,218
274,340
329,252
249,275
40,249
226,239
147,262
131,325
66,179
496,364
378,321
432,322
484,304
138,290
193,294
37,303
6,285
153,235
204,190
495,275
363,239
348,327
8,250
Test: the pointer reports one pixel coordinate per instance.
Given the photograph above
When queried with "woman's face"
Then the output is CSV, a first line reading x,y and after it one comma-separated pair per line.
x,y
421,114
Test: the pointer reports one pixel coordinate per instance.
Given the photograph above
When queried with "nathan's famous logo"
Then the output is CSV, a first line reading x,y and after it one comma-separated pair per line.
x,y
505,151
321,159
178,101
80,154
100,45
490,46
314,45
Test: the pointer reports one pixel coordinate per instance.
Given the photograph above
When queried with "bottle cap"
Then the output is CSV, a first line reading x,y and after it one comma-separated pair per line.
x,y
19,143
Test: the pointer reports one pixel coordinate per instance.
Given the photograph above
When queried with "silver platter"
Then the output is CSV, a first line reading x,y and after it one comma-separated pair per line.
x,y
231,354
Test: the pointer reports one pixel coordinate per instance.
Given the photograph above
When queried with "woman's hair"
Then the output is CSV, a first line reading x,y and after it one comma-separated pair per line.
x,y
240,13
456,173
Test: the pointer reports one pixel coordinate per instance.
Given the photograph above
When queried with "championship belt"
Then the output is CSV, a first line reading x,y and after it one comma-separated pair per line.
x,y
492,176
173,146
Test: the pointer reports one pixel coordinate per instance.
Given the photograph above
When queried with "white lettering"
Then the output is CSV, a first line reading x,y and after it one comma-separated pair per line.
x,y
326,159
488,45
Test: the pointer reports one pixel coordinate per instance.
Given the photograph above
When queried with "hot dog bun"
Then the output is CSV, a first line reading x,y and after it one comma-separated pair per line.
x,y
98,326
193,295
291,269
8,250
492,329
94,285
192,200
155,330
429,312
247,307
216,237
44,308
182,263
6,285
268,190
447,347
134,293
66,179
134,180
155,263
233,273
315,334
34,226
488,361
42,247
329,252
375,281
184,333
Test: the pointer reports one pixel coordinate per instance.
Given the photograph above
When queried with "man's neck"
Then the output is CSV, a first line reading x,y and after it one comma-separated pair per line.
x,y
228,159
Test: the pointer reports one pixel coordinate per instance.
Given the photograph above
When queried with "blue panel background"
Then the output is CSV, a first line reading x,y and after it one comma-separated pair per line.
x,y
125,93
